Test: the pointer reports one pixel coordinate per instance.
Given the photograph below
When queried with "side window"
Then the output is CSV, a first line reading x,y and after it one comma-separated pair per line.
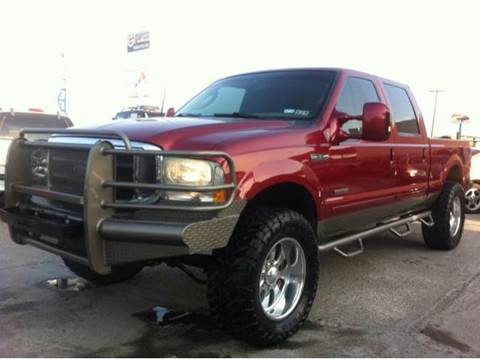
x,y
355,93
402,110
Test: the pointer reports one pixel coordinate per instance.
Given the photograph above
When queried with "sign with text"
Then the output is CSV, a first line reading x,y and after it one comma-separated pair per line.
x,y
138,41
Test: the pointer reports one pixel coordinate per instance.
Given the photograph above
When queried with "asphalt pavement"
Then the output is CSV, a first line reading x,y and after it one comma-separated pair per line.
x,y
397,299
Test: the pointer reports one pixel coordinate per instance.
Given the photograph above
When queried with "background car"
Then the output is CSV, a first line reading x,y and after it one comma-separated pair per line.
x,y
12,122
472,195
139,112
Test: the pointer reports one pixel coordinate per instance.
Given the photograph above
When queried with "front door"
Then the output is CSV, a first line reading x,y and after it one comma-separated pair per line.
x,y
360,175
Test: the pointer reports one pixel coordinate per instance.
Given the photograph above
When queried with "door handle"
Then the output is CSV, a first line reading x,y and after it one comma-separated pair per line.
x,y
392,156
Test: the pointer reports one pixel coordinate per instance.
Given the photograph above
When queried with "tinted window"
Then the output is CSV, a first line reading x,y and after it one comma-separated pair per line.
x,y
226,99
280,94
355,93
402,110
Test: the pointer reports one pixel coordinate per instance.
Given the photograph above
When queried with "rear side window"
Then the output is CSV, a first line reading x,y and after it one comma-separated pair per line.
x,y
355,93
402,110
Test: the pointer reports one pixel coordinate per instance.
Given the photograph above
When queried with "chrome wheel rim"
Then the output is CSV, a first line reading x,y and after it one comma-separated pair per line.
x,y
455,216
282,278
472,199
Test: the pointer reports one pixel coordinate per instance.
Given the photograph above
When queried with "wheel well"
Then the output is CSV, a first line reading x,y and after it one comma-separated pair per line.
x,y
455,175
288,195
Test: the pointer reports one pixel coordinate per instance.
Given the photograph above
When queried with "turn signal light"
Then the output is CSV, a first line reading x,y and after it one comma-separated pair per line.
x,y
219,196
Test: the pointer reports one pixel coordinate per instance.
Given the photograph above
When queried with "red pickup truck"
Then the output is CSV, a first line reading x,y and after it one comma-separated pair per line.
x,y
250,180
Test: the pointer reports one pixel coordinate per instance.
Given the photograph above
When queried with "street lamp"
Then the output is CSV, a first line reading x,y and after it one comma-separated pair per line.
x,y
460,118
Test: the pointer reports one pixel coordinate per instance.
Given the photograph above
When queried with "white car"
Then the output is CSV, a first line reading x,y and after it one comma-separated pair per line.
x,y
472,195
12,122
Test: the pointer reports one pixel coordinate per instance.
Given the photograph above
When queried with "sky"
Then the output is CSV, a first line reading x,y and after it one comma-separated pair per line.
x,y
425,44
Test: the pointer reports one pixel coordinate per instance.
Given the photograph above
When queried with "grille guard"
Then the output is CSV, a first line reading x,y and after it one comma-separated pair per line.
x,y
19,186
98,199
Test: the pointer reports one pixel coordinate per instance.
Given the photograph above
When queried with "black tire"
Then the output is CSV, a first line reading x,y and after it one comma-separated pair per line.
x,y
233,282
119,273
439,236
472,199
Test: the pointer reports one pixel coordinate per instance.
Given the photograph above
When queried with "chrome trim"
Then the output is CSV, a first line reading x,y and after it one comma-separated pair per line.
x,y
339,191
282,279
455,220
370,232
118,144
319,156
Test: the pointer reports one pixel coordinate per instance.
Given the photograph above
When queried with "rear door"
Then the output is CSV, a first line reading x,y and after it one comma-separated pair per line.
x,y
410,149
361,176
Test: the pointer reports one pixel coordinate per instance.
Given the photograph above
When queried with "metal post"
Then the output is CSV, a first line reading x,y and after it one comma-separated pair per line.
x,y
436,91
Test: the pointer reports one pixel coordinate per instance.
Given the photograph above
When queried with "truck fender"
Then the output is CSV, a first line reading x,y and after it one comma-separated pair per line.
x,y
270,173
454,163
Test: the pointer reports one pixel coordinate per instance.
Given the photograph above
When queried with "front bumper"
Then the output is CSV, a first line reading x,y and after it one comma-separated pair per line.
x,y
110,231
123,240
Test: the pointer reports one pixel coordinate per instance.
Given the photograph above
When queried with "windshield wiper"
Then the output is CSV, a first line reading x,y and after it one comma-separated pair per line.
x,y
189,115
237,115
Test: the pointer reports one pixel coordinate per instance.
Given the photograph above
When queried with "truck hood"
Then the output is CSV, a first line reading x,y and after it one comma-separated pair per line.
x,y
196,133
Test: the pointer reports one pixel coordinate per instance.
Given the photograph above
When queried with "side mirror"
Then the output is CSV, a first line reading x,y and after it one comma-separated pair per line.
x,y
376,122
170,112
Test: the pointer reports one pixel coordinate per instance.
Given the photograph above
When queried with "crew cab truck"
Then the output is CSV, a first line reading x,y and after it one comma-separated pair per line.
x,y
250,180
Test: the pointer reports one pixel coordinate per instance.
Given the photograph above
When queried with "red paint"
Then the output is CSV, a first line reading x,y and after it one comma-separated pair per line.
x,y
268,152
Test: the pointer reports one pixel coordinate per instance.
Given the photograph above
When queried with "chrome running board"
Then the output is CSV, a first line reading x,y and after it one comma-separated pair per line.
x,y
424,217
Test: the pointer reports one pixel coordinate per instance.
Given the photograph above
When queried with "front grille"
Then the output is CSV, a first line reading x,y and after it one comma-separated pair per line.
x,y
67,170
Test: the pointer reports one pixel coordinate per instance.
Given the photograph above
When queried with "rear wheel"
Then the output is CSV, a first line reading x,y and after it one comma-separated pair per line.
x,y
264,283
448,216
472,199
119,273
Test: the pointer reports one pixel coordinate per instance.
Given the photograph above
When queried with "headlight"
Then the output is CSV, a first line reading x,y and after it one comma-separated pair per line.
x,y
190,172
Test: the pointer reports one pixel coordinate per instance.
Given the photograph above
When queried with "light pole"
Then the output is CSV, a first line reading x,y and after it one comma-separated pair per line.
x,y
436,92
460,118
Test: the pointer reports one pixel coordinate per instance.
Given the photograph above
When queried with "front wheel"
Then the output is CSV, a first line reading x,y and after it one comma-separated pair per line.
x,y
264,283
449,216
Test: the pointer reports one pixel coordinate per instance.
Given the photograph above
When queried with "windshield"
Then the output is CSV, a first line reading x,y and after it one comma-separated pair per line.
x,y
280,94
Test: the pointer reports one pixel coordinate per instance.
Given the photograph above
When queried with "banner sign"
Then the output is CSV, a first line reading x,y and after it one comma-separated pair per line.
x,y
62,100
138,41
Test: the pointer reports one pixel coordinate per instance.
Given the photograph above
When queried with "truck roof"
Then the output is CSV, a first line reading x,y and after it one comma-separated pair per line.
x,y
338,70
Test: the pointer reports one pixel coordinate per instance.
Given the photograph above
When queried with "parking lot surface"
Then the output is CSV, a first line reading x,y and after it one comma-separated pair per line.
x,y
398,299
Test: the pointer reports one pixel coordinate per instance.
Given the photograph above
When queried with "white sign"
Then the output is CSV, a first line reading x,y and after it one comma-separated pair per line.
x,y
138,41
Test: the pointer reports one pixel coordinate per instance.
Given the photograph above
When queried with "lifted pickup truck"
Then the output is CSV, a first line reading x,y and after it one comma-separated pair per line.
x,y
251,180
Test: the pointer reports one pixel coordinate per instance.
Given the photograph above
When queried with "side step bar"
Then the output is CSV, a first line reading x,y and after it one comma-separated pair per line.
x,y
424,217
